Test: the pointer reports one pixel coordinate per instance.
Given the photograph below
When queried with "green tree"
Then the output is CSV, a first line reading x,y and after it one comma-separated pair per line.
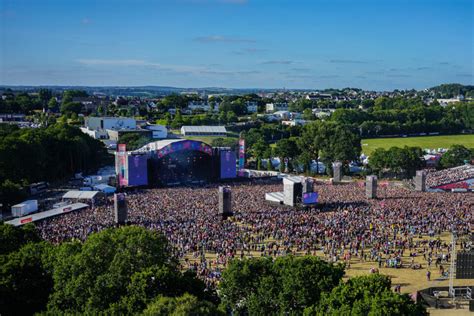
x,y
134,140
222,118
338,143
308,115
261,286
178,120
231,117
25,283
116,271
309,144
11,193
71,107
399,161
365,295
258,150
186,305
174,101
456,156
13,238
286,148
53,104
146,285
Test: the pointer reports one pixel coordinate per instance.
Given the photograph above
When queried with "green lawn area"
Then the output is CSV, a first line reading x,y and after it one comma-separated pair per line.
x,y
432,142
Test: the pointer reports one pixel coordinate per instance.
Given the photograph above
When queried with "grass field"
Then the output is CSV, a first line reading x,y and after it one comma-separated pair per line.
x,y
432,142
409,279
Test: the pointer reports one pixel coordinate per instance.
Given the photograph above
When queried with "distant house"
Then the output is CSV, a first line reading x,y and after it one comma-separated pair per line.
x,y
252,106
446,102
203,131
6,117
150,106
157,131
322,113
89,104
199,105
294,122
318,96
108,127
103,123
284,115
272,107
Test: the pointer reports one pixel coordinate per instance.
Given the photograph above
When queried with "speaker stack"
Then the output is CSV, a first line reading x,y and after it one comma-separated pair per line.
x,y
120,208
337,172
371,187
420,181
465,265
225,201
308,185
292,190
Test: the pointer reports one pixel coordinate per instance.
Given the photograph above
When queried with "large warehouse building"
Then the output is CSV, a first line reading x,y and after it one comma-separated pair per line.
x,y
203,131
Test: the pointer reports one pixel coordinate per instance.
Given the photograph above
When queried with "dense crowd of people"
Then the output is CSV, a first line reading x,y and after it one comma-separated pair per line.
x,y
344,225
436,178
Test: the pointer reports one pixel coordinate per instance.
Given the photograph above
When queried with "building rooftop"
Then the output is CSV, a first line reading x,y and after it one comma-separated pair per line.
x,y
204,129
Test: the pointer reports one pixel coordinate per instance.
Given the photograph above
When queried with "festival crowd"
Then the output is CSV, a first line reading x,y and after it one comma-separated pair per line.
x,y
344,226
436,178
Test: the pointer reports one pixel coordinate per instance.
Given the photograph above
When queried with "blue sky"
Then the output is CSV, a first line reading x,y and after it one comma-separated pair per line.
x,y
378,44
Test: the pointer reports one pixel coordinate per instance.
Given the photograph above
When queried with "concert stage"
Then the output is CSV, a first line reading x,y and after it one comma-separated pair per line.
x,y
174,162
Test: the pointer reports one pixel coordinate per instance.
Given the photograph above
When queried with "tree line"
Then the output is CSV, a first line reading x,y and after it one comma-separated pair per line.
x,y
407,116
332,141
299,146
403,162
30,155
132,271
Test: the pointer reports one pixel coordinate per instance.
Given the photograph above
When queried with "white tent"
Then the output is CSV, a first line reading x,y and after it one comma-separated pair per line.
x,y
80,195
107,189
42,215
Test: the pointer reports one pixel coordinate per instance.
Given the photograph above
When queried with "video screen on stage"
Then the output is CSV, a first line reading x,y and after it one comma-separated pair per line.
x,y
137,170
228,168
310,198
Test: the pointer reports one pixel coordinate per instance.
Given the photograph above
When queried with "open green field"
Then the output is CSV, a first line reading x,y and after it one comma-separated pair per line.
x,y
432,142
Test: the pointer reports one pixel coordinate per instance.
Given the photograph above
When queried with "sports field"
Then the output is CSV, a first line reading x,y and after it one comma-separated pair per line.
x,y
432,142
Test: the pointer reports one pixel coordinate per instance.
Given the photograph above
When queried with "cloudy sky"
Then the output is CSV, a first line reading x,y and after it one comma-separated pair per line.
x,y
376,44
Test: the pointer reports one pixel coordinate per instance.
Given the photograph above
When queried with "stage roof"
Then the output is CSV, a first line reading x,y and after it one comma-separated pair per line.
x,y
153,146
160,144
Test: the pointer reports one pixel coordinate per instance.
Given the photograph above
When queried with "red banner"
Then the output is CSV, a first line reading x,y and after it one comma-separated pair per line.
x,y
122,162
241,156
26,220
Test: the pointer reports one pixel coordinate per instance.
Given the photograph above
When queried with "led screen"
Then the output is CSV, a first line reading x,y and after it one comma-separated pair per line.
x,y
137,170
228,169
310,198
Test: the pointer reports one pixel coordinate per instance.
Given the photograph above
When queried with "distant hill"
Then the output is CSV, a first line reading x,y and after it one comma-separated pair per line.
x,y
139,91
451,90
442,91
